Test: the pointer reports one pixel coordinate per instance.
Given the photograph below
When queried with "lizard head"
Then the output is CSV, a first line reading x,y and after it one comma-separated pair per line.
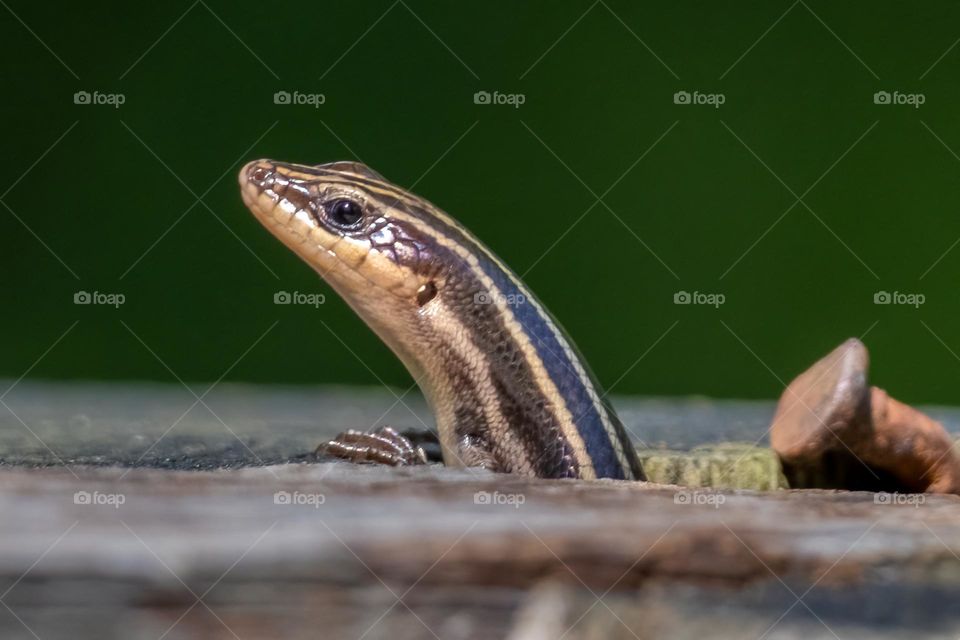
x,y
350,224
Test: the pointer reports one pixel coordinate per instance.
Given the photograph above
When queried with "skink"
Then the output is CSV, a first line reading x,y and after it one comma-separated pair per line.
x,y
508,389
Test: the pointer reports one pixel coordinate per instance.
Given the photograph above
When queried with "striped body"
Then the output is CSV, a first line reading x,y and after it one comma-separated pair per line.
x,y
507,387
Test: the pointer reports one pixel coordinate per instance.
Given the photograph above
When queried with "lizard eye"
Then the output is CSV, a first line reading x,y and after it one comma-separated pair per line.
x,y
344,213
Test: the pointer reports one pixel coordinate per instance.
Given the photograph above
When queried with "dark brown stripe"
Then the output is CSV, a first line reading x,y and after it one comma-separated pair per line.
x,y
529,416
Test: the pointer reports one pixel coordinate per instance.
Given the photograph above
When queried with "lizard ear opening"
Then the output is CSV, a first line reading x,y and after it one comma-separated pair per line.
x,y
426,293
357,168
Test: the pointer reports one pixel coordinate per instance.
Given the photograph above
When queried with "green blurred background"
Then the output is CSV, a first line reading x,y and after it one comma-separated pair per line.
x,y
99,198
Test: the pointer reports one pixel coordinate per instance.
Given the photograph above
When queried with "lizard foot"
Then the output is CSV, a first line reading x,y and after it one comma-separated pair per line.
x,y
380,446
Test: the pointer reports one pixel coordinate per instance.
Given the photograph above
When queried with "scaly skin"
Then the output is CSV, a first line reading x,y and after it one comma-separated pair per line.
x,y
507,387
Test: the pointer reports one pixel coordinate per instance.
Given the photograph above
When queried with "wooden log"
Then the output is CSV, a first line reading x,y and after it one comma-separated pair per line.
x,y
290,550
113,537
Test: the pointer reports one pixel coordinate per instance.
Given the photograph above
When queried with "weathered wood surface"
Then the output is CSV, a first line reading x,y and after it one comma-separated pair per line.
x,y
698,566
544,560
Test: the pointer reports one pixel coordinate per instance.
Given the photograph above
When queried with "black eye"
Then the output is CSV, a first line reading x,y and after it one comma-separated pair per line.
x,y
344,213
